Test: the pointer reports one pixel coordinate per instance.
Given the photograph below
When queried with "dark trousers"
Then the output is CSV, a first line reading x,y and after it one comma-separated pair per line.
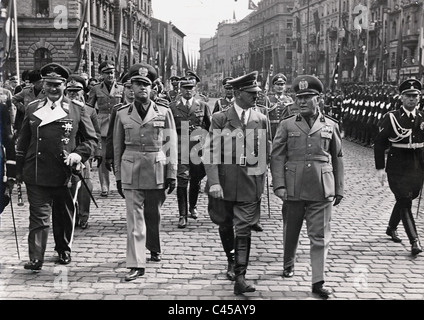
x,y
43,202
190,176
152,204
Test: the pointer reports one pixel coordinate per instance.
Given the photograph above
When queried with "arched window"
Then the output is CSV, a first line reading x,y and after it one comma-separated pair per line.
x,y
42,56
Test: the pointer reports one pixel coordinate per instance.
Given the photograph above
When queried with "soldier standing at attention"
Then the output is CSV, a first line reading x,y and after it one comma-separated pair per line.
x,y
402,131
46,153
103,97
145,160
279,102
190,114
227,101
174,93
307,173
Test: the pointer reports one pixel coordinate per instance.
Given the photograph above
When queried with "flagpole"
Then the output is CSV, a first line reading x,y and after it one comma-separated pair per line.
x,y
15,26
89,37
367,41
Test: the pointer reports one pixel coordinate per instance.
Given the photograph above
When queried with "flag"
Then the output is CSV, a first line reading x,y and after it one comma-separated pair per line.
x,y
399,52
252,5
298,35
335,79
82,35
169,64
118,41
7,33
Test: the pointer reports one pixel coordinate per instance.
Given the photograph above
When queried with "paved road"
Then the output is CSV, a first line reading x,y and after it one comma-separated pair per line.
x,y
362,263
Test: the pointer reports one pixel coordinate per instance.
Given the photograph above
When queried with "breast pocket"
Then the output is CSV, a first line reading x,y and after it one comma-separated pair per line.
x,y
328,181
325,140
293,140
128,128
127,167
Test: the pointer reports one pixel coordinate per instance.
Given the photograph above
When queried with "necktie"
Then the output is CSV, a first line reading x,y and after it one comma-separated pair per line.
x,y
53,105
243,119
187,105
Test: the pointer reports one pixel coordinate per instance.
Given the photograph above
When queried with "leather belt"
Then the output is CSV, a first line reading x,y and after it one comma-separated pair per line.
x,y
143,148
309,158
408,145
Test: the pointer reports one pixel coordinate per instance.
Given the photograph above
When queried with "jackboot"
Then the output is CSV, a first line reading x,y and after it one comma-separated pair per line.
x,y
411,230
182,207
226,233
242,252
193,195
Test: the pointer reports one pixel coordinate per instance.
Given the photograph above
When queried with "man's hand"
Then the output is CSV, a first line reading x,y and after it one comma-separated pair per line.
x,y
99,160
281,193
216,191
109,164
381,176
170,185
74,159
10,184
119,187
337,200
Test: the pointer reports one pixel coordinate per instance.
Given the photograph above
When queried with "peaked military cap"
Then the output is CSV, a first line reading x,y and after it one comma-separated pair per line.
x,y
279,78
307,85
190,75
142,72
247,82
226,84
75,82
54,72
187,82
106,66
410,86
174,79
34,76
125,80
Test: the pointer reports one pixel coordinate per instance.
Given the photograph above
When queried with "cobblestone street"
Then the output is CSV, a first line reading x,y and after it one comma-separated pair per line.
x,y
362,263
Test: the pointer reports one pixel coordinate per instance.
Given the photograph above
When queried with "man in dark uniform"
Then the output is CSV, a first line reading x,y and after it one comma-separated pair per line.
x,y
103,97
75,90
228,100
191,115
145,160
280,103
402,131
46,153
174,93
236,155
307,173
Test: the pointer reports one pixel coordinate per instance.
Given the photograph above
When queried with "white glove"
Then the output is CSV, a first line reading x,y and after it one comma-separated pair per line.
x,y
381,176
216,191
73,159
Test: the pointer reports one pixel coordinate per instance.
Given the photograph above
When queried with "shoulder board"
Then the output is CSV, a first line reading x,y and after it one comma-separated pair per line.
x,y
78,103
124,106
289,116
117,106
34,102
162,102
332,119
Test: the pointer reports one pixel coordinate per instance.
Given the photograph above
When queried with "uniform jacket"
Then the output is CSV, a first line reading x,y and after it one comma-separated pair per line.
x,y
222,104
400,129
45,134
103,100
7,161
223,154
308,161
278,108
198,117
145,151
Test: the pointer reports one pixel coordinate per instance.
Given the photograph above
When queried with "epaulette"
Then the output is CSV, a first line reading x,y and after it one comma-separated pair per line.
x,y
289,116
328,117
124,106
35,101
78,103
162,102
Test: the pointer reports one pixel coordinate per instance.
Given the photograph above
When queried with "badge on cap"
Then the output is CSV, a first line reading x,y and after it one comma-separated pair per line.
x,y
143,71
412,84
303,84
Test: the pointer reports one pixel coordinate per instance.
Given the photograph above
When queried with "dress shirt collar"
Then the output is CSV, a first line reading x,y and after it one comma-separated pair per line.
x,y
239,111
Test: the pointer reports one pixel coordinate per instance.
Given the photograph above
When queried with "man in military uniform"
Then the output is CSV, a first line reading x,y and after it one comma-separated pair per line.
x,y
228,100
103,97
190,75
145,160
402,131
307,173
236,162
75,89
6,99
47,151
191,115
27,95
174,93
280,103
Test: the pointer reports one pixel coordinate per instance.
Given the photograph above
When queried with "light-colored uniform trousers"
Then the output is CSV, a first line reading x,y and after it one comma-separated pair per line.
x,y
318,216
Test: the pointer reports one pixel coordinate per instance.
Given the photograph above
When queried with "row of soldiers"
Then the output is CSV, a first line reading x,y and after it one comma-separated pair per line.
x,y
360,107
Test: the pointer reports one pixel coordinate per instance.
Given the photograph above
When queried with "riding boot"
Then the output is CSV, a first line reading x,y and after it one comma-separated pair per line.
x,y
193,195
411,230
182,206
242,252
226,234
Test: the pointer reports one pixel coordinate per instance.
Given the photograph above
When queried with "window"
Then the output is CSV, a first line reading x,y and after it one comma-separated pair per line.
x,y
42,8
42,56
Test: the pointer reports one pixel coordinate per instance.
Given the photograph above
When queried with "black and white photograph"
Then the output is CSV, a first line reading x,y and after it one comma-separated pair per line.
x,y
212,157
